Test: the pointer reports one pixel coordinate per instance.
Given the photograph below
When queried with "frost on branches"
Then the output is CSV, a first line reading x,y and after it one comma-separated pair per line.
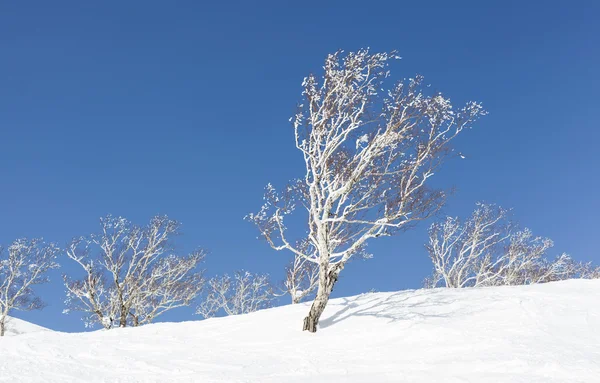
x,y
368,153
242,294
130,275
486,250
301,278
23,266
301,275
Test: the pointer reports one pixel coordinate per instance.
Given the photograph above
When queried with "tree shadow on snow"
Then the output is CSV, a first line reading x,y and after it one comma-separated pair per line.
x,y
399,306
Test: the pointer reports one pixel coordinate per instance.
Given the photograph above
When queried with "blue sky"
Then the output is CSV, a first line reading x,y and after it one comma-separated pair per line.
x,y
181,108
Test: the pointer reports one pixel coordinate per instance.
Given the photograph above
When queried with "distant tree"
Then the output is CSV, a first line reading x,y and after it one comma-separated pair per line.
x,y
242,294
131,276
587,270
301,275
593,273
368,155
486,250
21,268
302,279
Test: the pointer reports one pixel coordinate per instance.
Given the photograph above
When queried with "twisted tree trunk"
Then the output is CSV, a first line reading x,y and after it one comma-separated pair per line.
x,y
327,280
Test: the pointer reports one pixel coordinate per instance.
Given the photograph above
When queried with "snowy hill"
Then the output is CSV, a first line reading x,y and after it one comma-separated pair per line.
x,y
16,326
542,333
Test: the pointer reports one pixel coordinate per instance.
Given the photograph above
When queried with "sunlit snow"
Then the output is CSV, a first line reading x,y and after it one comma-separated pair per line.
x,y
540,333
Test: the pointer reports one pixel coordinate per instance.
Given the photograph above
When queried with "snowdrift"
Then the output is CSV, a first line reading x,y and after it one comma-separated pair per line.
x,y
543,333
15,326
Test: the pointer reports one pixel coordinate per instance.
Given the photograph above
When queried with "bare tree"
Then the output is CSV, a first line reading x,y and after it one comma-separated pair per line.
x,y
132,277
588,271
368,154
242,294
302,278
486,250
24,265
167,286
301,275
457,250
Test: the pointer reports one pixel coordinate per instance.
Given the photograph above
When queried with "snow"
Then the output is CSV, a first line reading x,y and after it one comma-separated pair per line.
x,y
15,326
540,333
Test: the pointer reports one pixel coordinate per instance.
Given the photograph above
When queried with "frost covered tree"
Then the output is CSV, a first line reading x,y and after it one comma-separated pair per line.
x,y
131,275
301,275
242,294
368,155
588,271
487,250
301,278
22,267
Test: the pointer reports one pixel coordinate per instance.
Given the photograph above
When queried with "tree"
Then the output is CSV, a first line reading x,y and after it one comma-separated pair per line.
x,y
301,278
588,271
486,250
368,155
242,294
301,275
24,266
132,277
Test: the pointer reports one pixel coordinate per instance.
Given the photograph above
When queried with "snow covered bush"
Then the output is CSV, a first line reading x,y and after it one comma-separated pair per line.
x,y
130,274
368,155
242,294
487,250
23,266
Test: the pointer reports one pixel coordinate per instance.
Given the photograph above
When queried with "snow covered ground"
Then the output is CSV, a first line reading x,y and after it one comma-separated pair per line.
x,y
15,326
542,333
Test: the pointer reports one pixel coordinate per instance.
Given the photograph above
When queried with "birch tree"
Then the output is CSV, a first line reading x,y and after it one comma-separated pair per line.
x,y
130,274
301,279
301,276
24,266
242,294
588,271
368,156
487,250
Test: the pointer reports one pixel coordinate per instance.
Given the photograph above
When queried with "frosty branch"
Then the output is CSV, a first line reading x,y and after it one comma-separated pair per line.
x,y
301,275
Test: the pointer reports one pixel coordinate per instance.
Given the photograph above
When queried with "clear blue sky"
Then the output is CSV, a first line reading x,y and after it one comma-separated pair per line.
x,y
181,108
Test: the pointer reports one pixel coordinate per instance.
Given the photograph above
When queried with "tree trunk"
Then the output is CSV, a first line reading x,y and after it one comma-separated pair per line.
x,y
123,320
2,326
324,290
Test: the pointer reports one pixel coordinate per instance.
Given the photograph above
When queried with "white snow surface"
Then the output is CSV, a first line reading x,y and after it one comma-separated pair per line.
x,y
541,333
15,326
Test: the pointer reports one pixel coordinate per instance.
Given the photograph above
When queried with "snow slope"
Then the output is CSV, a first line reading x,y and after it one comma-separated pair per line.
x,y
15,326
544,333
